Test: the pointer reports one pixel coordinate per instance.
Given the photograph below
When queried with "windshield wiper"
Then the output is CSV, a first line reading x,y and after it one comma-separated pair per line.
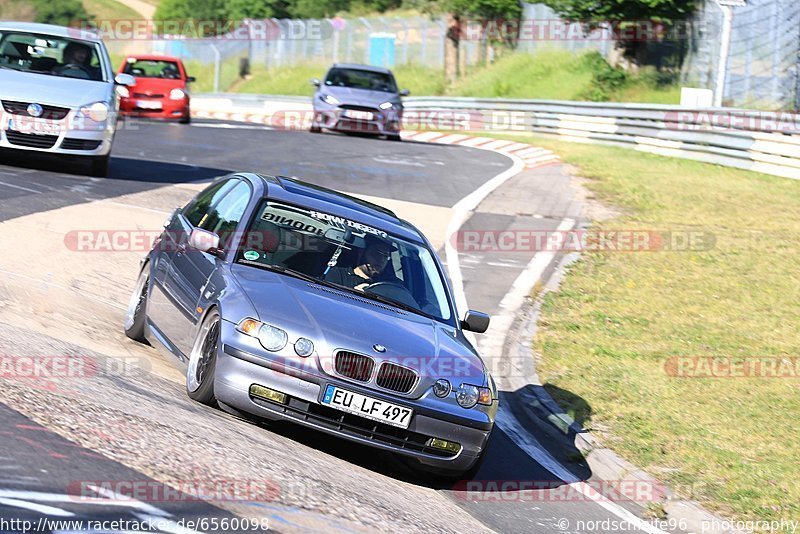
x,y
392,302
297,274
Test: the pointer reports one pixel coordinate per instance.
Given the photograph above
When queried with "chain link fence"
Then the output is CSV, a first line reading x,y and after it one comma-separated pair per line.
x,y
762,71
764,59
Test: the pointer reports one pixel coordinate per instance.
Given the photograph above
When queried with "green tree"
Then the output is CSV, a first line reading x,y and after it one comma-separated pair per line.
x,y
62,13
626,13
459,12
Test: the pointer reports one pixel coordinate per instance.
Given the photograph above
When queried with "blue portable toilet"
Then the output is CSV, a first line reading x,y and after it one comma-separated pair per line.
x,y
381,49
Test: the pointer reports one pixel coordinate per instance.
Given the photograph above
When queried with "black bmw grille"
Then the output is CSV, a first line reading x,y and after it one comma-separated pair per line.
x,y
31,140
48,112
355,366
396,378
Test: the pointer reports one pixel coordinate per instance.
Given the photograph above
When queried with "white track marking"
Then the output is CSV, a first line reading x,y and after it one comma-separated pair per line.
x,y
112,496
21,188
32,506
511,302
461,211
527,443
226,126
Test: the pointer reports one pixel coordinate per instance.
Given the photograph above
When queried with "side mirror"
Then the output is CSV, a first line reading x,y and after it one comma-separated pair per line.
x,y
125,79
205,241
315,82
405,92
475,321
190,79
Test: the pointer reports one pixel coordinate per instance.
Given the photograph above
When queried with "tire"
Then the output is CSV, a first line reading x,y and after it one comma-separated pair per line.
x,y
100,166
395,137
187,119
136,315
315,129
203,361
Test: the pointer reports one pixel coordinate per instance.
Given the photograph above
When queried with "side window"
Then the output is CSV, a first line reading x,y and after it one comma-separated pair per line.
x,y
198,209
225,215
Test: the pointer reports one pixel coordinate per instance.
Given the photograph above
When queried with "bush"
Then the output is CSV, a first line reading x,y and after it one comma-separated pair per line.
x,y
62,13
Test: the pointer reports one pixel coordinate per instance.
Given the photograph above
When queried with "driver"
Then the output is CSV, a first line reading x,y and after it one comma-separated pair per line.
x,y
76,54
370,264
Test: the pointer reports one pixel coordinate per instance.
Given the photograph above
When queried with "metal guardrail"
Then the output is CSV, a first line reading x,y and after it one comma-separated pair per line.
x,y
766,142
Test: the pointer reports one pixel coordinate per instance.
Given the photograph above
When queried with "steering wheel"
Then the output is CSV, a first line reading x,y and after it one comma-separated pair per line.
x,y
74,67
394,291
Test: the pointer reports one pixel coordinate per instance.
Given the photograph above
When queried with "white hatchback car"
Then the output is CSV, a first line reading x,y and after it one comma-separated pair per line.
x,y
58,92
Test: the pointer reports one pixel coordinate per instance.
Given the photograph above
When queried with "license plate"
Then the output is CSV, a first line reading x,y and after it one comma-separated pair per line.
x,y
148,104
356,114
377,410
34,126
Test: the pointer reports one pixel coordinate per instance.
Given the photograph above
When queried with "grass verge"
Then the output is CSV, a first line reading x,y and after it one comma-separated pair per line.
x,y
545,75
110,10
606,335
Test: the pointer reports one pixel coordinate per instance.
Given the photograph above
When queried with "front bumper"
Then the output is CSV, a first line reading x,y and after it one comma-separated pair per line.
x,y
69,136
237,370
169,110
383,122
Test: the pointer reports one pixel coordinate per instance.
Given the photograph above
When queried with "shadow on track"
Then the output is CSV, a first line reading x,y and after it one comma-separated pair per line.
x,y
129,169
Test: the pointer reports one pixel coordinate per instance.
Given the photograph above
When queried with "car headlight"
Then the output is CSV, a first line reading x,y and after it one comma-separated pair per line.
x,y
330,99
386,105
271,337
98,112
177,94
468,396
442,387
304,347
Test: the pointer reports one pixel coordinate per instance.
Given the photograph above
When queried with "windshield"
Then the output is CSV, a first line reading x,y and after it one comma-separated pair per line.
x,y
337,251
148,68
361,79
54,56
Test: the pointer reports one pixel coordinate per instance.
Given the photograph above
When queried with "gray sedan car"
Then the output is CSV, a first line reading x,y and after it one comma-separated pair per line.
x,y
293,302
358,99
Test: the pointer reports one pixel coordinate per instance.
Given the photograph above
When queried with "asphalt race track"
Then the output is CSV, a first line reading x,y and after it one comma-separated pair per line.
x,y
135,422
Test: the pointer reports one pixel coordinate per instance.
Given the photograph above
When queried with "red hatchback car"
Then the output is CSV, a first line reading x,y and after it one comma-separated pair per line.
x,y
161,88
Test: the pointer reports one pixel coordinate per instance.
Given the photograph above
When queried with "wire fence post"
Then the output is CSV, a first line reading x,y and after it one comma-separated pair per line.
x,y
217,66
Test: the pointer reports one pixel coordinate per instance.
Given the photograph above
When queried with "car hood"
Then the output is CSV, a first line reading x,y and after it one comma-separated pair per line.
x,y
157,85
360,97
52,90
340,320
